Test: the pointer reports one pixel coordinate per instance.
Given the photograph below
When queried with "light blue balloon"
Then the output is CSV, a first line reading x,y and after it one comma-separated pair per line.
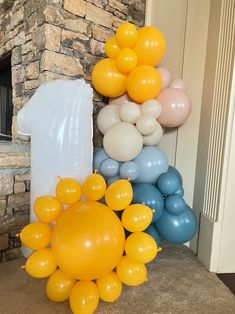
x,y
152,231
179,191
98,157
168,183
177,229
129,170
109,168
113,179
152,162
175,204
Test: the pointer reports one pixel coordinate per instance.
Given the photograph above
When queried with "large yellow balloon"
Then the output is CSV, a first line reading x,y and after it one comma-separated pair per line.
x,y
150,46
126,35
141,247
59,286
36,235
84,297
41,263
143,83
107,80
137,217
126,60
119,194
130,272
111,48
68,191
88,240
110,287
47,208
94,187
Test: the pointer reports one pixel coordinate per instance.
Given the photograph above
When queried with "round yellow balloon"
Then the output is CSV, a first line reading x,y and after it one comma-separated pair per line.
x,y
150,46
36,235
47,208
107,79
110,287
84,297
126,35
59,286
94,187
111,48
88,240
137,217
141,247
68,191
119,194
126,60
130,272
143,83
41,263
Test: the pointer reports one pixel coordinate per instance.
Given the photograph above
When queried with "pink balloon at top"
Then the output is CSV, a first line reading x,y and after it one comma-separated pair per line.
x,y
176,107
165,76
119,100
178,83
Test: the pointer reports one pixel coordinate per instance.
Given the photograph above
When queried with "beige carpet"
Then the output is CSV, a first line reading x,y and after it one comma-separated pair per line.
x,y
178,283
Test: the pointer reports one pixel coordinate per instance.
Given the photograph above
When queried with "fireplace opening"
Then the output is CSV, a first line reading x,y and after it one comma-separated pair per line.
x,y
6,106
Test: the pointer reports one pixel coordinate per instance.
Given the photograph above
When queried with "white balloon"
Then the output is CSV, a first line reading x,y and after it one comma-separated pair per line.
x,y
123,142
178,83
146,124
129,112
152,107
107,117
154,138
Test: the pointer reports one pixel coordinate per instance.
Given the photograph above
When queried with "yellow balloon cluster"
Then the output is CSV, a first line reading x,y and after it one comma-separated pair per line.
x,y
130,66
82,247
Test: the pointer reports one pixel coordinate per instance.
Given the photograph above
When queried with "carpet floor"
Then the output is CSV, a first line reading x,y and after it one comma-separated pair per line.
x,y
177,283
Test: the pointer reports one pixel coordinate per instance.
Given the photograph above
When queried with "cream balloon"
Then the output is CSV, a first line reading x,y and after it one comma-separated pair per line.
x,y
146,124
154,138
165,76
152,107
122,141
119,100
129,112
178,83
107,117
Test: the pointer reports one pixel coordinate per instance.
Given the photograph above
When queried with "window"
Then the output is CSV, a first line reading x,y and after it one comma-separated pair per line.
x,y
6,107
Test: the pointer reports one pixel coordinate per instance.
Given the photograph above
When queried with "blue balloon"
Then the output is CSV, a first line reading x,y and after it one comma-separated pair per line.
x,y
175,204
168,183
179,191
151,161
109,168
148,194
177,229
113,179
152,231
175,171
129,170
98,158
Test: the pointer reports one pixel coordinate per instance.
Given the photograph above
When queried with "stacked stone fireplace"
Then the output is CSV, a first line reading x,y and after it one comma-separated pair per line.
x,y
47,40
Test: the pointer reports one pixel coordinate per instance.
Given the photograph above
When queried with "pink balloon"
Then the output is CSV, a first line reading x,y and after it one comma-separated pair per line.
x,y
165,76
119,100
176,107
178,83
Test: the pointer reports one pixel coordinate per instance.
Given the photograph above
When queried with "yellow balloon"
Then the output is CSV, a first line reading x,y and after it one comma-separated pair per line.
x,y
59,286
107,80
36,235
94,187
110,287
119,194
143,83
111,48
88,240
68,191
47,208
150,46
137,217
130,272
126,60
41,263
126,35
84,297
141,247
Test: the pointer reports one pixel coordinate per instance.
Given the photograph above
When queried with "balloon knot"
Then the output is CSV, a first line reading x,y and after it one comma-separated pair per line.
x,y
159,249
154,210
95,171
17,235
128,179
59,177
23,266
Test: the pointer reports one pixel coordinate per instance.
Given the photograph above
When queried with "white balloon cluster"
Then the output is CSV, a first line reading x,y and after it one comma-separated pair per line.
x,y
128,126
